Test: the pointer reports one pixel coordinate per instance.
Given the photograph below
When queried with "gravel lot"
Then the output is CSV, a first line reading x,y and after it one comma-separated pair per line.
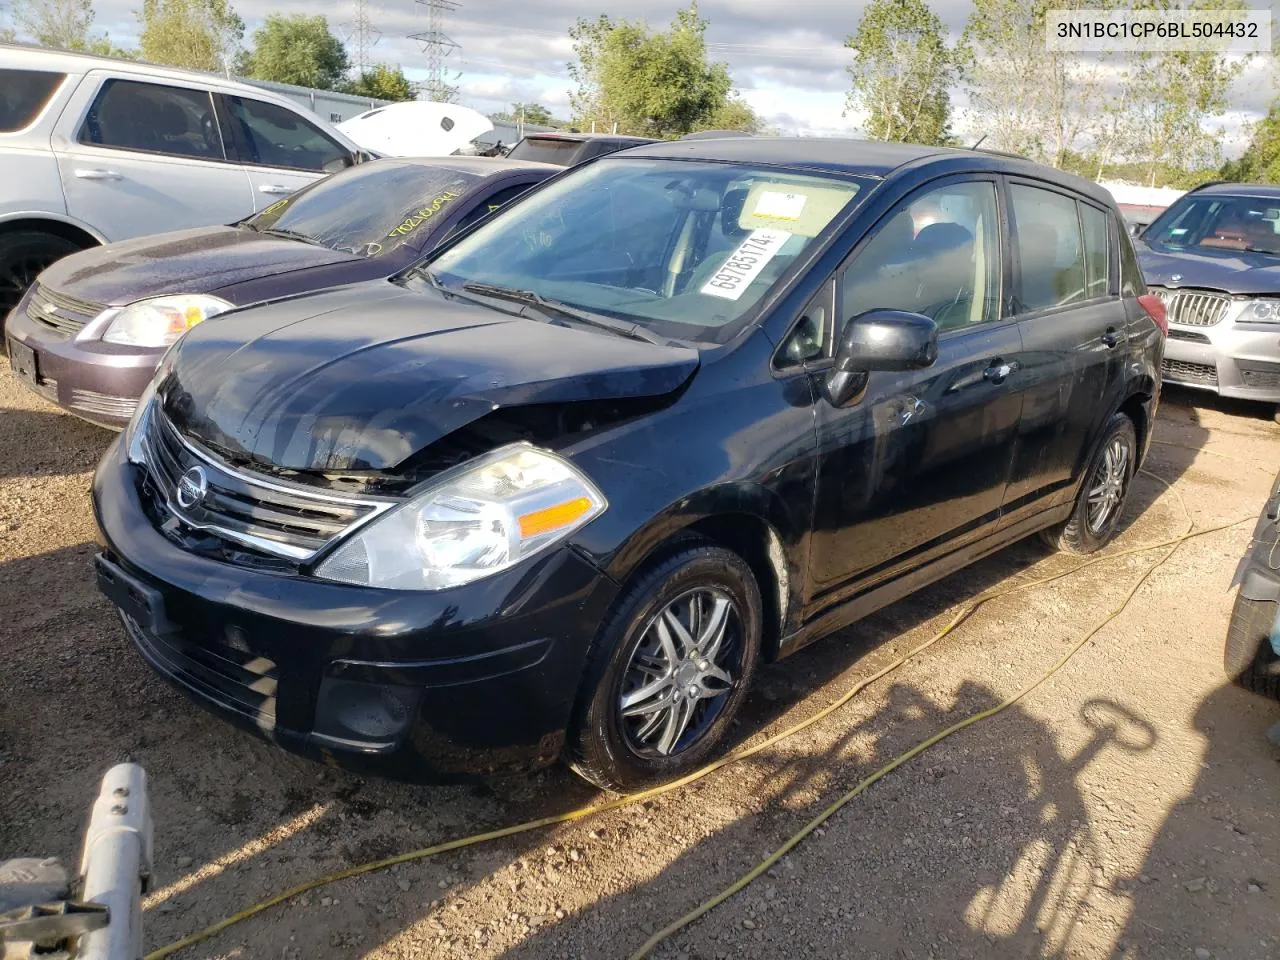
x,y
1129,807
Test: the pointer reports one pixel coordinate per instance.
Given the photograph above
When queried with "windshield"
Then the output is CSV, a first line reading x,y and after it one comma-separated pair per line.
x,y
370,209
1218,222
686,249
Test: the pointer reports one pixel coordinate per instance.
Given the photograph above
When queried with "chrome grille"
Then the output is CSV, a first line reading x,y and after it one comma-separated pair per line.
x,y
59,312
1179,371
1197,308
270,516
102,404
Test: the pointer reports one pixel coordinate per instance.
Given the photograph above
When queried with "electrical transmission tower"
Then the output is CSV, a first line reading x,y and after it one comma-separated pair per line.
x,y
362,36
437,45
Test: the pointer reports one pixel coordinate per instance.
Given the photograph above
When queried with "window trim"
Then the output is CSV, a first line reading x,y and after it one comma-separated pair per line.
x,y
223,110
779,366
82,122
1016,257
45,107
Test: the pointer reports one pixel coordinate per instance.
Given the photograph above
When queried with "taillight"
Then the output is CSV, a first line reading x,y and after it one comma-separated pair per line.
x,y
1156,311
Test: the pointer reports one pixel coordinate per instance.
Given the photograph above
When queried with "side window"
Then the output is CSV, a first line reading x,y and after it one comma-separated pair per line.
x,y
1097,251
154,119
272,136
486,207
1049,247
23,94
939,255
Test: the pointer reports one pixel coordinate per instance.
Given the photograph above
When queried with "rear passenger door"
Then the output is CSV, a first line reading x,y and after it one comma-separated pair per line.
x,y
282,151
147,157
1067,301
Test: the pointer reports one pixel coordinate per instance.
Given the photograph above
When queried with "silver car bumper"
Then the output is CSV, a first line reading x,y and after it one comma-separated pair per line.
x,y
1230,358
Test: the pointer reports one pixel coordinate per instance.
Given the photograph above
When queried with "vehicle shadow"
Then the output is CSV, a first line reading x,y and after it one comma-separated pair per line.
x,y
949,886
1211,879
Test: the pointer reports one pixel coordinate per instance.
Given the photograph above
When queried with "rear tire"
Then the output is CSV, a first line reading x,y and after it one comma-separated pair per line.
x,y
1106,484
23,255
1250,660
640,687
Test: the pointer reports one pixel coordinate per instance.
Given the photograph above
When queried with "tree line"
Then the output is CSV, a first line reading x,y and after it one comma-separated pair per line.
x,y
1151,116
209,35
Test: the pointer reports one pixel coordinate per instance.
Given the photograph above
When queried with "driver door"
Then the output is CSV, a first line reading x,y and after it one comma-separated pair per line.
x,y
918,463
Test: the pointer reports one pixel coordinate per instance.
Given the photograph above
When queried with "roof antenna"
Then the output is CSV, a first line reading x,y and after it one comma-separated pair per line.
x,y
979,143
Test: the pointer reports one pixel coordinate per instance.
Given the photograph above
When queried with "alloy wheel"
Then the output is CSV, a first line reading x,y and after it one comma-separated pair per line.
x,y
688,660
17,276
1107,486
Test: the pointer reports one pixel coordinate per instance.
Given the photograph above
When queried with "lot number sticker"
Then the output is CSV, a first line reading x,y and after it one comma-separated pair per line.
x,y
780,206
745,264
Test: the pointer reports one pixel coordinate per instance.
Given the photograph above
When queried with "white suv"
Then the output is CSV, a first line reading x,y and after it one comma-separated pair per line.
x,y
94,150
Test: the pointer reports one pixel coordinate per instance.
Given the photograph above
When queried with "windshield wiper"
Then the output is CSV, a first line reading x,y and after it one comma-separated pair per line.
x,y
631,331
291,235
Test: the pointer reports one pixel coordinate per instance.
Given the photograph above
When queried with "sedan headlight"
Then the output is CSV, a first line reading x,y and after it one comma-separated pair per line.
x,y
162,320
1260,311
477,520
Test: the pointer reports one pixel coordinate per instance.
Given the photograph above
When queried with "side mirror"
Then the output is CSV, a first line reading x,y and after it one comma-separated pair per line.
x,y
879,340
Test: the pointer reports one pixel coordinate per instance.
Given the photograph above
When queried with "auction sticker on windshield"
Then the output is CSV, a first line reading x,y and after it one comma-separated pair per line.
x,y
745,263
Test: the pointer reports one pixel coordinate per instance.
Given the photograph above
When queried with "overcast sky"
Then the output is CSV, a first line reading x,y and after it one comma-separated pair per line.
x,y
787,59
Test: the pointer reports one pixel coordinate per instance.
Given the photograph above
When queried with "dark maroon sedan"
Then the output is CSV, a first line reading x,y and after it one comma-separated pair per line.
x,y
89,333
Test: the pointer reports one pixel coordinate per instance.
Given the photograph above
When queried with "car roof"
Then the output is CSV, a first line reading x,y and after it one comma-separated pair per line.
x,y
849,156
20,56
1267,190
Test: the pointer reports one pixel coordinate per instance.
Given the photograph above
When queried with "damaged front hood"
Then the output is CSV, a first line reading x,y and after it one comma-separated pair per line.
x,y
364,377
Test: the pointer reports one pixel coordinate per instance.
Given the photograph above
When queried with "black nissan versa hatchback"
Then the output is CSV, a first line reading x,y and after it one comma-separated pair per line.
x,y
559,489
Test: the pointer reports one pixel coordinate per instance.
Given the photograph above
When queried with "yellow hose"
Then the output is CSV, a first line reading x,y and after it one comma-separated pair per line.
x,y
734,757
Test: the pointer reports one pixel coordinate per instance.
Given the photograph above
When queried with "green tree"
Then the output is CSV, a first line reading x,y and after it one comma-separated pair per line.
x,y
646,83
902,71
62,24
197,34
296,49
1023,97
383,82
734,114
1260,162
534,113
1174,96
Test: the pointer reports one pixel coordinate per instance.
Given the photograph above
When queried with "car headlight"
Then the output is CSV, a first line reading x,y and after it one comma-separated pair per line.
x,y
133,432
160,321
1261,311
479,519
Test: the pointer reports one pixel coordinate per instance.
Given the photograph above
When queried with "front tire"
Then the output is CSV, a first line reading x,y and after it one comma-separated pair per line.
x,y
668,671
1249,659
1100,502
23,255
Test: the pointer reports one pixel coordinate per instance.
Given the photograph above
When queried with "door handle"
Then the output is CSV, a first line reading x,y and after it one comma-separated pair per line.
x,y
275,189
97,174
999,371
1111,337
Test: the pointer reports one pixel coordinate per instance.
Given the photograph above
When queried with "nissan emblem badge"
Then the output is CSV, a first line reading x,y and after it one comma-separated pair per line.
x,y
192,487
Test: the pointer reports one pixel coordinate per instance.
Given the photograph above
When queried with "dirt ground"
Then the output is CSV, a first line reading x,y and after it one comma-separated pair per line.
x,y
1129,807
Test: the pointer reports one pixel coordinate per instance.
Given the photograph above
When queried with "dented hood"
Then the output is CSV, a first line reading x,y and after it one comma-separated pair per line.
x,y
364,377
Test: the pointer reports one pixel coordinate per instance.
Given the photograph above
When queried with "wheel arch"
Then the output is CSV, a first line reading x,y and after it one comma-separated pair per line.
x,y
51,224
754,523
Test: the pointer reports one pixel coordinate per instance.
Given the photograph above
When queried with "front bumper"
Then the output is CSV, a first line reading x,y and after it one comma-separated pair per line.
x,y
418,686
98,381
1231,359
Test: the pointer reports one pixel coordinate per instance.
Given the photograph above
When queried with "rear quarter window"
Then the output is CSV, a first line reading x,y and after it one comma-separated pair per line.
x,y
23,94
